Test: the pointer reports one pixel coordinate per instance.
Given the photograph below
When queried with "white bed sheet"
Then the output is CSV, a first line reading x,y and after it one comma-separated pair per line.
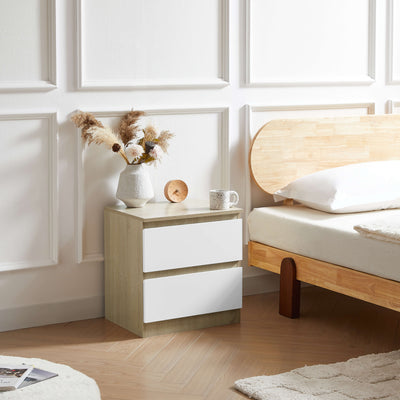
x,y
327,237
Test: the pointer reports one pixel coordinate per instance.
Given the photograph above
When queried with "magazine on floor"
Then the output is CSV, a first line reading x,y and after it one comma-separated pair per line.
x,y
37,375
12,376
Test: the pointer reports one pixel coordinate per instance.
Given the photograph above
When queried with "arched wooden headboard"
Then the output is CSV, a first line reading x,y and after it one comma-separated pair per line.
x,y
286,149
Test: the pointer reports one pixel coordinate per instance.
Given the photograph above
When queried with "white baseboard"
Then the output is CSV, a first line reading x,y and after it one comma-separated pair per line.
x,y
256,284
52,313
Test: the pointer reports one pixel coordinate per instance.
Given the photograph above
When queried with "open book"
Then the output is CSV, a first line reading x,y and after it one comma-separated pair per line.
x,y
12,376
37,375
18,376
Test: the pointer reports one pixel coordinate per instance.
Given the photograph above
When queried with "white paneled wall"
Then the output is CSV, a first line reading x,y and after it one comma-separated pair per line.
x,y
170,43
310,42
28,160
27,45
211,71
393,66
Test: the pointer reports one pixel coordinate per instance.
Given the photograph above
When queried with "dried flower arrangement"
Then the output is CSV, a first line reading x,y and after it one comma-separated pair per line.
x,y
134,144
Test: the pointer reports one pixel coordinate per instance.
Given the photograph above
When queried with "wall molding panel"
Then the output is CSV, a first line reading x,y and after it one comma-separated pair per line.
x,y
52,46
51,228
330,79
49,59
393,42
223,167
220,79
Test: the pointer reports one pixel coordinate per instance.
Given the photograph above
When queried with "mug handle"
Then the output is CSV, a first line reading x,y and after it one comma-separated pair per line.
x,y
235,198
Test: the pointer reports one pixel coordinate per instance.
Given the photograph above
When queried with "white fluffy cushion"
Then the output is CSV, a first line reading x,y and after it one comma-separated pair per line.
x,y
352,188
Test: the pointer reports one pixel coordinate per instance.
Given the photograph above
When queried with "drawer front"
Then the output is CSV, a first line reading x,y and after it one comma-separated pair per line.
x,y
181,246
192,294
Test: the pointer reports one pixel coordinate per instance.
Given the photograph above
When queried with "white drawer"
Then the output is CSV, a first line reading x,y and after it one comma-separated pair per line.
x,y
192,294
181,246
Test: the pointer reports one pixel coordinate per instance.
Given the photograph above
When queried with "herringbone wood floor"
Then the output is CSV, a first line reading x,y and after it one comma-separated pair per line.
x,y
204,364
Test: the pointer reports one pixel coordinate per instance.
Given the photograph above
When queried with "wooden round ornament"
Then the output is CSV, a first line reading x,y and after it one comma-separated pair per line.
x,y
175,191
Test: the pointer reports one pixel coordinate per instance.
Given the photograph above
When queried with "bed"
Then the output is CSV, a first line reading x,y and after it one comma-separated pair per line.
x,y
312,246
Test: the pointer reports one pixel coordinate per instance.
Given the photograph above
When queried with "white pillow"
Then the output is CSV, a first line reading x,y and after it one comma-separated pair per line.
x,y
352,188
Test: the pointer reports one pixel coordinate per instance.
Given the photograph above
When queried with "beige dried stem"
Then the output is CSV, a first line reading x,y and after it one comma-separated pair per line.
x,y
106,136
93,131
128,126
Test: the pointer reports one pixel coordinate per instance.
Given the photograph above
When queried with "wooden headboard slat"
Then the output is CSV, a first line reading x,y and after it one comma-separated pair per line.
x,y
287,149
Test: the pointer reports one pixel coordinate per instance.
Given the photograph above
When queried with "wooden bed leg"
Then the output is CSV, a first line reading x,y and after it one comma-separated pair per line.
x,y
289,296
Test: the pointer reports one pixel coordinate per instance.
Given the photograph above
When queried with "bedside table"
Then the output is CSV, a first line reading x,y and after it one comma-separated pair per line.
x,y
172,266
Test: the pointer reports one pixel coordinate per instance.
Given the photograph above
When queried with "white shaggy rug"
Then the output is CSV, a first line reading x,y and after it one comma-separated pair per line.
x,y
371,377
68,385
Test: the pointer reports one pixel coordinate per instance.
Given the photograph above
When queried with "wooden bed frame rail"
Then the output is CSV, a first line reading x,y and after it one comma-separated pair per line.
x,y
294,268
287,149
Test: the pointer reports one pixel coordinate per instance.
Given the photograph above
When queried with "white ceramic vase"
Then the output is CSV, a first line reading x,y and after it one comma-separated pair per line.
x,y
134,186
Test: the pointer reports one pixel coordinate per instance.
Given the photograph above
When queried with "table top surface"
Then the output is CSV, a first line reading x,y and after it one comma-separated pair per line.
x,y
166,211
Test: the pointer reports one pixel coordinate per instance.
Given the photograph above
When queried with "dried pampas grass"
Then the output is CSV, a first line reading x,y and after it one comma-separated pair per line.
x,y
106,136
144,146
85,121
150,134
163,140
128,126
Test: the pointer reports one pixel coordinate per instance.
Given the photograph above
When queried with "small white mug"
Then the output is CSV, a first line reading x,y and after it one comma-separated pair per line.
x,y
223,199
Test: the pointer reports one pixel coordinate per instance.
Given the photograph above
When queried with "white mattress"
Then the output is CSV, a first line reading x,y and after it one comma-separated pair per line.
x,y
326,237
